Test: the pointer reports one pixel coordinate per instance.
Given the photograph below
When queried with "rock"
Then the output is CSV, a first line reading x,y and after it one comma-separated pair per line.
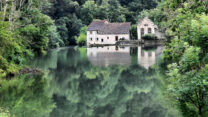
x,y
29,71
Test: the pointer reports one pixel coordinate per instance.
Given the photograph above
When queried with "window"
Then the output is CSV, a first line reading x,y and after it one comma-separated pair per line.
x,y
107,37
102,40
97,32
145,24
97,39
149,30
149,54
91,39
142,53
90,32
142,31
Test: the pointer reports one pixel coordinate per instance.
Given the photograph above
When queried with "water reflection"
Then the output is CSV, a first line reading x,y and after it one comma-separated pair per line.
x,y
147,56
108,55
114,55
74,85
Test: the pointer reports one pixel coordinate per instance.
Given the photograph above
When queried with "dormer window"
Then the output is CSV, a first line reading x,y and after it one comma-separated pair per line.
x,y
145,24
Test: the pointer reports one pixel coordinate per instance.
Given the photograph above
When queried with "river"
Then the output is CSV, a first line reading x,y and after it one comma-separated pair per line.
x,y
90,82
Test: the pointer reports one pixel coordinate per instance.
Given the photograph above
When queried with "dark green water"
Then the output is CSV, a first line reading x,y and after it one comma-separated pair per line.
x,y
89,82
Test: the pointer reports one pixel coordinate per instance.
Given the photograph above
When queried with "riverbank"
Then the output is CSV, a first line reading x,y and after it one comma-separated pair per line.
x,y
132,43
24,71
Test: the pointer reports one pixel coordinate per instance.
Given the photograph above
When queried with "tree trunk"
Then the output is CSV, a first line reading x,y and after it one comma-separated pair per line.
x,y
200,110
5,9
12,14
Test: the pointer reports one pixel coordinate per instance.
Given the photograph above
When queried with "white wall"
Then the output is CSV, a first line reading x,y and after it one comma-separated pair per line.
x,y
107,39
159,34
142,25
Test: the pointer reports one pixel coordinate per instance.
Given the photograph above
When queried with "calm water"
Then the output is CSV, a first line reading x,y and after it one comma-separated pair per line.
x,y
90,82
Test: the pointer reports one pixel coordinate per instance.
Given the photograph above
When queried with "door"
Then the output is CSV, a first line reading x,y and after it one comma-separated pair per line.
x,y
116,38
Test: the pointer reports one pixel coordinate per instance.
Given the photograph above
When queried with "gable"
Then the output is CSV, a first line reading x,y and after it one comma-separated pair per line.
x,y
147,23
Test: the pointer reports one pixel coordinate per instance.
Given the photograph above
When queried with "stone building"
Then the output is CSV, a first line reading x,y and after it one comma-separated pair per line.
x,y
146,26
103,32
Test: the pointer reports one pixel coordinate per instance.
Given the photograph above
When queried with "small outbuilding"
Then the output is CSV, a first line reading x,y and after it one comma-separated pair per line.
x,y
146,26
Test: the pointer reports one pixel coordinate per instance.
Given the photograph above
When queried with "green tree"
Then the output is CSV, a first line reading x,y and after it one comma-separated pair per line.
x,y
186,52
82,39
134,32
88,11
54,38
11,50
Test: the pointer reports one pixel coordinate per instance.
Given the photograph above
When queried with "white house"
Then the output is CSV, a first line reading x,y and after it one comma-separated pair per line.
x,y
104,32
146,26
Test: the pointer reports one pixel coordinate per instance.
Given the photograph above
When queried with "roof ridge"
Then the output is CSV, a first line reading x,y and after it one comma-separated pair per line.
x,y
110,27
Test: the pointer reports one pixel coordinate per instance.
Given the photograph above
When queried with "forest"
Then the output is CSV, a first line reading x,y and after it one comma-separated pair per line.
x,y
30,28
185,56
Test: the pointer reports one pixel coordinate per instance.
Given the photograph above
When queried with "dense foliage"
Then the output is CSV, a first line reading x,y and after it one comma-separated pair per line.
x,y
82,38
186,24
27,28
24,31
133,32
70,15
149,37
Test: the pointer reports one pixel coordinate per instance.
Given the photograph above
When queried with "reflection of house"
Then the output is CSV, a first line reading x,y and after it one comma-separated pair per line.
x,y
147,58
104,32
109,55
146,26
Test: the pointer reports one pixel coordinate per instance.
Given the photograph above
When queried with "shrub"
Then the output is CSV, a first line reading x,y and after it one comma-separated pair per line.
x,y
133,32
149,37
82,39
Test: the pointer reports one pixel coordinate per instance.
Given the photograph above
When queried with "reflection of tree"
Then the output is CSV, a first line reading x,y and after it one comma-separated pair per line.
x,y
80,89
83,90
25,96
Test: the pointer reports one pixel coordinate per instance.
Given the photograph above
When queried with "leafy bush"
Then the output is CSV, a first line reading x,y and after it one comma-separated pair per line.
x,y
82,39
54,38
133,32
12,50
149,37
